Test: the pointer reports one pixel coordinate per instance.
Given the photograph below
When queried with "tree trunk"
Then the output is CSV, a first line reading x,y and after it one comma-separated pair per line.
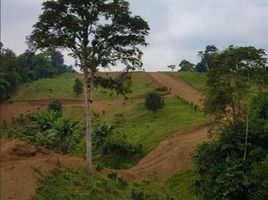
x,y
88,94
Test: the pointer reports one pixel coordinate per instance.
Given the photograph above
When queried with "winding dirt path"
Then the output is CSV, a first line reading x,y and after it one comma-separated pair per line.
x,y
170,156
174,153
178,87
22,164
15,109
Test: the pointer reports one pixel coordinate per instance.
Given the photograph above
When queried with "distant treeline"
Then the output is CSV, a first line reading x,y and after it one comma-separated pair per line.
x,y
26,67
203,65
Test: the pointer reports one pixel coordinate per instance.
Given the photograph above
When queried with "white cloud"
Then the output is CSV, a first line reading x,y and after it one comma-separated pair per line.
x,y
179,28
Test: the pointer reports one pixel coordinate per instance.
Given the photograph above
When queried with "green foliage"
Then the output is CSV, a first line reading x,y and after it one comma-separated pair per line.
x,y
206,58
26,67
113,144
182,185
230,79
99,167
121,84
115,34
55,105
141,128
186,66
221,171
45,129
81,185
65,130
117,145
101,132
78,87
9,76
154,102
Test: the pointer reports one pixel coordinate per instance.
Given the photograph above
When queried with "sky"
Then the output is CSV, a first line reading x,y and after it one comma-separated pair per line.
x,y
179,28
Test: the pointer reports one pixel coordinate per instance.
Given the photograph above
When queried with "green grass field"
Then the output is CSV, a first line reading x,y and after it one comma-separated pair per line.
x,y
195,79
61,87
142,126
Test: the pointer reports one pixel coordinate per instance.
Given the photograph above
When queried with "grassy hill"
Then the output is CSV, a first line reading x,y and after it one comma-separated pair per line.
x,y
141,126
195,79
62,87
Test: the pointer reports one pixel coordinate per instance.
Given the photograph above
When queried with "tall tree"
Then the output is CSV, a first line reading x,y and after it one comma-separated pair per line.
x,y
25,66
172,67
206,58
186,66
57,61
99,33
232,75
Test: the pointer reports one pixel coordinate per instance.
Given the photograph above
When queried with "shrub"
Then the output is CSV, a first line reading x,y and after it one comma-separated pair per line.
x,y
55,105
99,167
78,87
162,89
118,145
154,102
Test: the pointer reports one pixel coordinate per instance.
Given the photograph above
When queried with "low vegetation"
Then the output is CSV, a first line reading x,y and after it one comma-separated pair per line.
x,y
77,184
61,87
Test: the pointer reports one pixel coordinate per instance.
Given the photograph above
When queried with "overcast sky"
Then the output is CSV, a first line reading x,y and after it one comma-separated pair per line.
x,y
179,28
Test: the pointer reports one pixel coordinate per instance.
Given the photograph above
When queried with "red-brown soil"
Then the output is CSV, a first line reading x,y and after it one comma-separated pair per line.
x,y
23,164
10,110
170,156
178,87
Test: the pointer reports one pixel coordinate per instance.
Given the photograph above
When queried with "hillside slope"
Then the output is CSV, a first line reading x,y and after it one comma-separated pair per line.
x,y
178,87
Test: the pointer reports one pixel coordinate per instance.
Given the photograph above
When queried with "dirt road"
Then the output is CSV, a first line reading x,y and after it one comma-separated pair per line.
x,y
22,164
10,110
170,156
178,87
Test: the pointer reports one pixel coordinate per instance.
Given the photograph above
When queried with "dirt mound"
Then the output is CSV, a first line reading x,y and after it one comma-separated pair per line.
x,y
16,150
23,164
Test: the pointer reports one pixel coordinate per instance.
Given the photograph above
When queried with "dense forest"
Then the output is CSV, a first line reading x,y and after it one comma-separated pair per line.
x,y
26,67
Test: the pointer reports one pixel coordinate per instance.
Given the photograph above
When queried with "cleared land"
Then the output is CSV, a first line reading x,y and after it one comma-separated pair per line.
x,y
171,155
194,79
178,87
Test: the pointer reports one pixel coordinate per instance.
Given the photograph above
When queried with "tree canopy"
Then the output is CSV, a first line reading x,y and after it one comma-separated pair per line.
x,y
27,67
206,58
186,66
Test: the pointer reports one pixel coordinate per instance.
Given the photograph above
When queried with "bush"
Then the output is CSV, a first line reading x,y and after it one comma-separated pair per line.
x,y
78,184
45,129
99,167
109,142
55,105
154,102
118,145
78,87
162,89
